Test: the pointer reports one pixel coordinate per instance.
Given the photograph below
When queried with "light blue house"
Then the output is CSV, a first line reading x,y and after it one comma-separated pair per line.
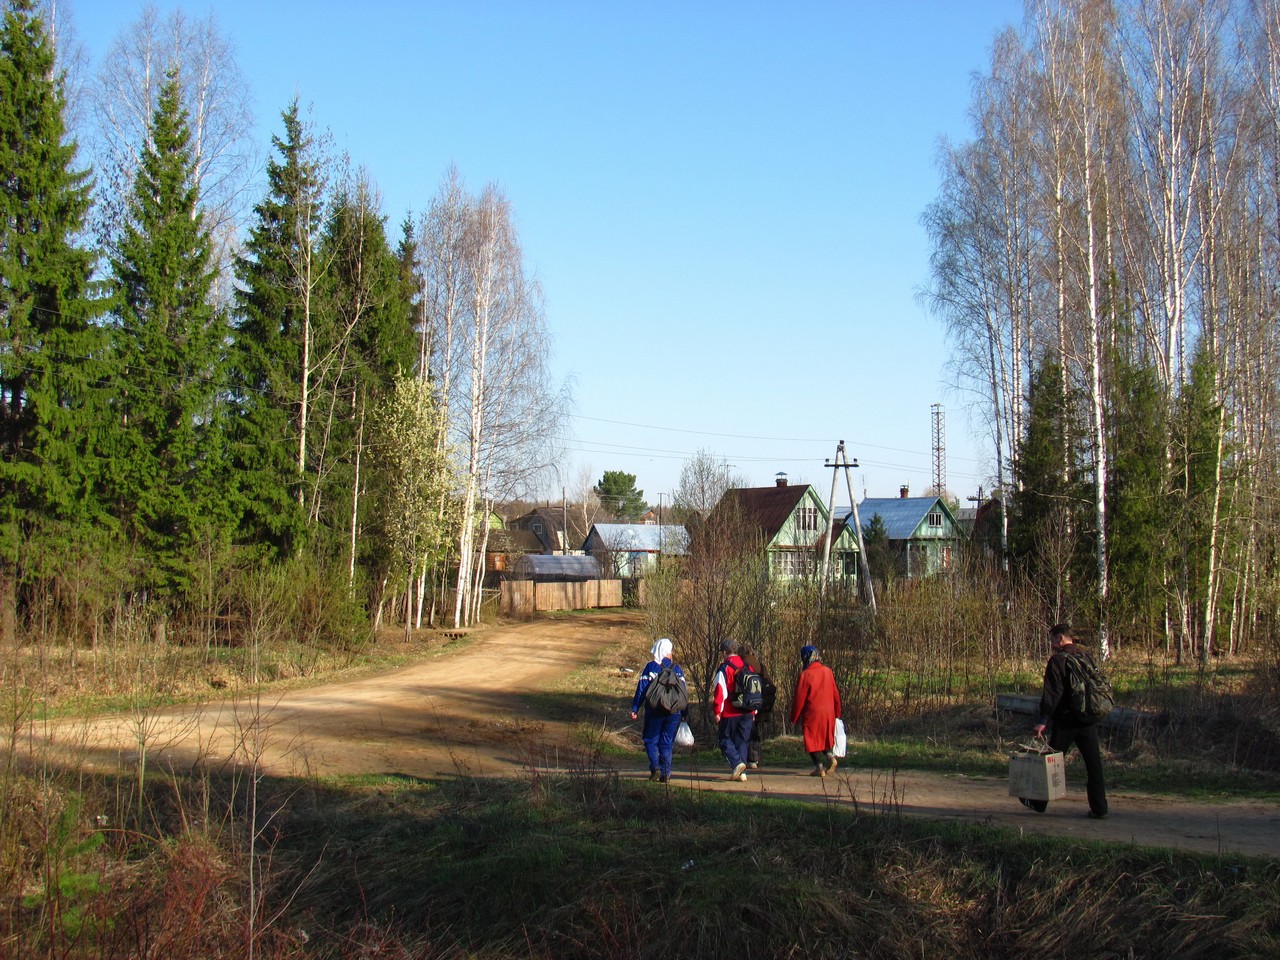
x,y
633,549
923,534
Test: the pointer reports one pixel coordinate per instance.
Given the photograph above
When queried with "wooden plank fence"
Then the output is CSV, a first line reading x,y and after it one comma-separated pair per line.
x,y
522,598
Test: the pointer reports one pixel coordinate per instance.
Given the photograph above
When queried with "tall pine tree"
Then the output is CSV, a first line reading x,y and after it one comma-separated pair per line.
x,y
1045,531
1201,488
1138,508
366,334
51,351
173,485
278,275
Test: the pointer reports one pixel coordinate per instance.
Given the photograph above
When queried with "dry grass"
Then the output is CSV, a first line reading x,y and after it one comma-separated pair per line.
x,y
576,863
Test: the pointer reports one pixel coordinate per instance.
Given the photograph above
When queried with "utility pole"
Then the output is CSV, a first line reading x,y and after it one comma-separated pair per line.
x,y
659,527
564,512
842,462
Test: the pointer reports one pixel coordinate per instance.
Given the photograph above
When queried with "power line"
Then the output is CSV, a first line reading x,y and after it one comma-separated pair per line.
x,y
745,436
650,454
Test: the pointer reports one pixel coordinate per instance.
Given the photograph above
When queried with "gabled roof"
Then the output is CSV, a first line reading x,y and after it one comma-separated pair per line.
x,y
901,515
837,530
648,537
552,518
514,541
767,508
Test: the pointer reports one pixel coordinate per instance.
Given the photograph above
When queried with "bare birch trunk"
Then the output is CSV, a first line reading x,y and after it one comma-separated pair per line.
x,y
355,501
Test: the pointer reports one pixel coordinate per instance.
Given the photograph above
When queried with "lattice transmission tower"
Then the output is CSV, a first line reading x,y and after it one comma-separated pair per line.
x,y
939,449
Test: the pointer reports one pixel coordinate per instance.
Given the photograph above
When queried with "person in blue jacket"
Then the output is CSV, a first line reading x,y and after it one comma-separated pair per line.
x,y
659,725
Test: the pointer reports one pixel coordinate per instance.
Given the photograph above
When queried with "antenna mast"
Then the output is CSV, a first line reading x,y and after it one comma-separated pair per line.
x,y
939,450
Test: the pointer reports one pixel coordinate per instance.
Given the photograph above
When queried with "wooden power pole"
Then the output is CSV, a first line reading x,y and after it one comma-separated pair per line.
x,y
842,462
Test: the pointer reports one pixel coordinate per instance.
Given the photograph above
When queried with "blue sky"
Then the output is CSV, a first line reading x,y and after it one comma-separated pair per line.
x,y
721,200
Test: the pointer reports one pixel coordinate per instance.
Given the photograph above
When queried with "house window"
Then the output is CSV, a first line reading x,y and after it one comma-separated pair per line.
x,y
536,526
935,518
793,563
807,518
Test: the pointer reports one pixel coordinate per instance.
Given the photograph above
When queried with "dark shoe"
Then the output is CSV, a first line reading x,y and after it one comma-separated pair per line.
x,y
653,775
817,772
1097,816
1039,806
664,778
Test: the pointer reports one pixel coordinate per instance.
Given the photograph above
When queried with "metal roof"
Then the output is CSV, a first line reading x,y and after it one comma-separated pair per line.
x,y
641,537
550,565
901,515
766,507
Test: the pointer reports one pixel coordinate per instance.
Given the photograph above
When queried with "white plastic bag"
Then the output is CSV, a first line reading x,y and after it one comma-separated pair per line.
x,y
684,736
842,742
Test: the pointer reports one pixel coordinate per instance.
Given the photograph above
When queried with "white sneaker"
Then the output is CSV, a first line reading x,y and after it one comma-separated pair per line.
x,y
737,772
742,777
753,766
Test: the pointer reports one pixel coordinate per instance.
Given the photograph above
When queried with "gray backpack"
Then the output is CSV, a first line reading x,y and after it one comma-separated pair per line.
x,y
667,692
1089,689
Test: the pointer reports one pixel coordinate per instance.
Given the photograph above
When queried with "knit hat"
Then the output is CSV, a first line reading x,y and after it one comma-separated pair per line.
x,y
809,654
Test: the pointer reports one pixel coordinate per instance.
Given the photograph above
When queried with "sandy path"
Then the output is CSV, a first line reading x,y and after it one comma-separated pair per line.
x,y
465,711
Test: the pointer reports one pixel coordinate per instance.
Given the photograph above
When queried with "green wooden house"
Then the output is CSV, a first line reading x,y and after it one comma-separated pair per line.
x,y
791,521
923,534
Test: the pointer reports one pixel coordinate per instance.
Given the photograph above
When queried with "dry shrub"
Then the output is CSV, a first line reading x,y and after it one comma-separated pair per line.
x,y
374,941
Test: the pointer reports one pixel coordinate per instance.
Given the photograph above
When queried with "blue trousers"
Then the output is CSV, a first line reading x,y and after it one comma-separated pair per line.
x,y
659,735
734,734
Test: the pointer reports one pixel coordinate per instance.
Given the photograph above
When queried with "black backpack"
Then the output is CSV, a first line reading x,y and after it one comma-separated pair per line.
x,y
770,694
1091,696
748,689
667,692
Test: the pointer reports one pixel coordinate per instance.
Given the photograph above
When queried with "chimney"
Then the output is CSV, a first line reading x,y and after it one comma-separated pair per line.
x,y
904,491
780,479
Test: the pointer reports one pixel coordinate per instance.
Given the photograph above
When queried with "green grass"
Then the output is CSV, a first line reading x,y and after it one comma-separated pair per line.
x,y
1139,774
553,869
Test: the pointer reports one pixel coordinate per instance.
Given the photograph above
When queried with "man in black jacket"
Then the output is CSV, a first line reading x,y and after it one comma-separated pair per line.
x,y
1068,729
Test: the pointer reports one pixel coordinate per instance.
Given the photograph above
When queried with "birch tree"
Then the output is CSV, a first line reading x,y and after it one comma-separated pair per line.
x,y
411,477
502,403
218,104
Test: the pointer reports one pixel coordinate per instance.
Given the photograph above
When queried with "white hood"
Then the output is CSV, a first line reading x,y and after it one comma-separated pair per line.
x,y
661,650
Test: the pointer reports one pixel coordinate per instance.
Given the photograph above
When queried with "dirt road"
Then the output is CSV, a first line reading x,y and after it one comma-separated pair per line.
x,y
466,711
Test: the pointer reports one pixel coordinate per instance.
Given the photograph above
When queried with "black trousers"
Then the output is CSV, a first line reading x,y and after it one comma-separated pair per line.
x,y
1085,739
759,731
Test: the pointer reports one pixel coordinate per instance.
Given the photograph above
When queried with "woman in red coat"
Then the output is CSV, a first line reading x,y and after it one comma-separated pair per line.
x,y
817,701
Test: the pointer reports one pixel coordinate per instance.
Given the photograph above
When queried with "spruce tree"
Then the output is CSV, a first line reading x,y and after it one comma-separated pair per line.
x,y
1199,477
1047,530
51,372
277,276
366,327
1139,511
174,488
